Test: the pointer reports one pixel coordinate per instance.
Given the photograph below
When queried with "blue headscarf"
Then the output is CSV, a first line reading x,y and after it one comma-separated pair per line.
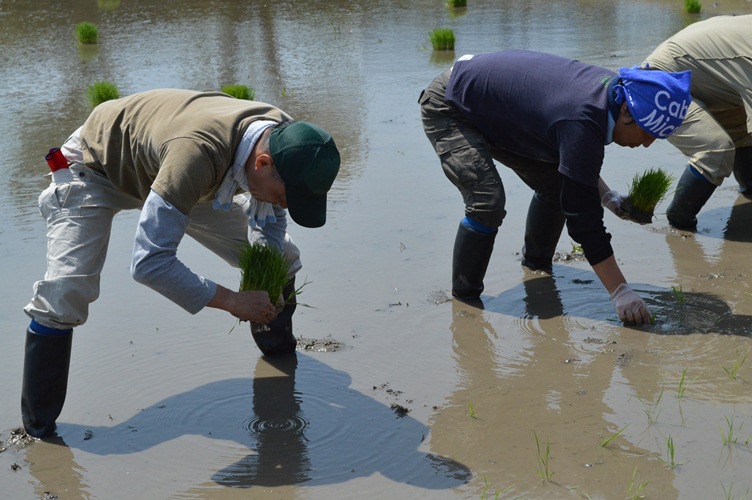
x,y
657,100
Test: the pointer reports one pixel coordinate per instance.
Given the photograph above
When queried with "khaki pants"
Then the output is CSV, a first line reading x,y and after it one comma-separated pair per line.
x,y
79,206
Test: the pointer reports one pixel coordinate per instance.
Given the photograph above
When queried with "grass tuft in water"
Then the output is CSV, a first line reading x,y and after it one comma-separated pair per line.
x,y
263,268
99,92
647,190
733,371
634,492
240,92
87,33
692,6
442,39
544,459
455,4
679,295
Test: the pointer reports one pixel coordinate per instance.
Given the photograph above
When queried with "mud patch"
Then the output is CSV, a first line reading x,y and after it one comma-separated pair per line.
x,y
15,438
398,409
319,345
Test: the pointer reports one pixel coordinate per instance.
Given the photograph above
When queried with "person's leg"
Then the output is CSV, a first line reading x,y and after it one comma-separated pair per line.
x,y
545,220
467,163
743,170
78,231
225,233
711,158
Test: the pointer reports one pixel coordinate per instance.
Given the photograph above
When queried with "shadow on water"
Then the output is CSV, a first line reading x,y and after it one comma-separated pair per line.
x,y
575,292
301,425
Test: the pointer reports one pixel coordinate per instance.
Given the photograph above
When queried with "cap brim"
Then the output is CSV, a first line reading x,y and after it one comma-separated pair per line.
x,y
306,208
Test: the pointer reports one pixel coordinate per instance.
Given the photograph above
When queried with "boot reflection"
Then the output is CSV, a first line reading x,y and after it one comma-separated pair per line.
x,y
57,474
542,299
278,425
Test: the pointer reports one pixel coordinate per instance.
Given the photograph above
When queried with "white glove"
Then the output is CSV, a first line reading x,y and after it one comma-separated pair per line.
x,y
629,306
613,201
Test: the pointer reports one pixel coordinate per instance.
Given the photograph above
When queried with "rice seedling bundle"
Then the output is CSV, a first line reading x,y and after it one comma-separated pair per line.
x,y
263,268
646,191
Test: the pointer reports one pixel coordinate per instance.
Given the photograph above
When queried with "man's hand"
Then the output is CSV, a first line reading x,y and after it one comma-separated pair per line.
x,y
246,306
629,306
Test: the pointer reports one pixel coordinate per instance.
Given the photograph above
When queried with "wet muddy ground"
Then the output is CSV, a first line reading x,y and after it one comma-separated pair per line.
x,y
396,391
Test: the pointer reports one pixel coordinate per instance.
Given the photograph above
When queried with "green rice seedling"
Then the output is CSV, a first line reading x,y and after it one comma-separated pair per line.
x,y
634,492
544,459
733,371
651,410
613,436
99,92
679,295
456,4
682,384
240,92
646,191
264,268
728,436
471,411
442,39
87,33
577,249
727,494
692,6
670,460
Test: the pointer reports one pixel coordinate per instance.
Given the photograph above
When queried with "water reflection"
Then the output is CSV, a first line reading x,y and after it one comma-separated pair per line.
x,y
305,426
554,392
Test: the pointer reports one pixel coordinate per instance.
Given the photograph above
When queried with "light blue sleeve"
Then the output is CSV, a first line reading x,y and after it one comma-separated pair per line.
x,y
155,263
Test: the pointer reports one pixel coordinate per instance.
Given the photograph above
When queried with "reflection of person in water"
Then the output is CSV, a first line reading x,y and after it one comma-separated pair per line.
x,y
306,427
279,425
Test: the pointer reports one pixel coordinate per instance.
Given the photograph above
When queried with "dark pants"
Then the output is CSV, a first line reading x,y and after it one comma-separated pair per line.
x,y
468,159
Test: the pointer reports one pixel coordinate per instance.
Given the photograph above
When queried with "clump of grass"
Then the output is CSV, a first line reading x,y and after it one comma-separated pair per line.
x,y
651,410
670,460
544,459
442,39
692,6
733,371
679,295
87,33
240,92
99,92
646,191
634,492
455,4
263,268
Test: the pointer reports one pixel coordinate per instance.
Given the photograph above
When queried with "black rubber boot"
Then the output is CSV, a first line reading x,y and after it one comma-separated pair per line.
x,y
45,381
743,170
692,192
472,253
543,227
276,338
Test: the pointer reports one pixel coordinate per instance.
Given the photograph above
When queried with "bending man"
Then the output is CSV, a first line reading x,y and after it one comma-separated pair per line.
x,y
548,119
187,160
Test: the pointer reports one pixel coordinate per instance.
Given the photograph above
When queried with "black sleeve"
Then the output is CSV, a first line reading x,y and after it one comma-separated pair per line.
x,y
582,207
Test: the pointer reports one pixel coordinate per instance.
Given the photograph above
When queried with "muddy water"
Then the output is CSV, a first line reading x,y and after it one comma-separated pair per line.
x,y
426,398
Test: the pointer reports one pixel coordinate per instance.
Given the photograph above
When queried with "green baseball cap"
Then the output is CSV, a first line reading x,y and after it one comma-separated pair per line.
x,y
308,162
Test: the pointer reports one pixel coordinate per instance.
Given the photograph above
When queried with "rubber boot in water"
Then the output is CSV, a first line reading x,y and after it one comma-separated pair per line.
x,y
45,378
473,247
543,227
276,338
692,192
743,170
